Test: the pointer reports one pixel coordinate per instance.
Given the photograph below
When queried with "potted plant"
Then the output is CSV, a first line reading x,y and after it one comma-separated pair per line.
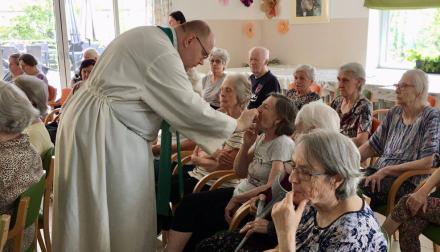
x,y
428,64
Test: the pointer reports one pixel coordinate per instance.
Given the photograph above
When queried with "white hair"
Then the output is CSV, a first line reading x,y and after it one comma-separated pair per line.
x,y
317,115
91,51
16,111
262,50
35,90
242,88
220,53
420,82
308,70
357,70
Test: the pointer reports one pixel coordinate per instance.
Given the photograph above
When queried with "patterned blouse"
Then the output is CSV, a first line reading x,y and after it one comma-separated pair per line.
x,y
397,143
301,100
358,119
20,167
352,231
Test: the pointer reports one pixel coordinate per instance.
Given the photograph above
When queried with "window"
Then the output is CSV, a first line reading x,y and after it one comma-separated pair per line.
x,y
405,30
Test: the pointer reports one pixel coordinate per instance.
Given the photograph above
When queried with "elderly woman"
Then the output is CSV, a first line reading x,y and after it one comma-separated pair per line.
x,y
414,213
315,115
259,160
304,77
36,92
323,211
28,64
20,164
408,139
211,83
354,109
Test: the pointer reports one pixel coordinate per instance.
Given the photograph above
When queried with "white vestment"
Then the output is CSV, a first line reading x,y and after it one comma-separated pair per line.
x,y
104,192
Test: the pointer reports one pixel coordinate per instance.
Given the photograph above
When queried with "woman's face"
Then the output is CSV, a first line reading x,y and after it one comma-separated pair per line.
x,y
217,66
308,179
228,95
348,85
85,72
267,117
172,22
25,68
406,93
302,82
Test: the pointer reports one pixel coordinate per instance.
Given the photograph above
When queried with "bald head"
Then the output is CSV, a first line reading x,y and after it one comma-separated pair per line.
x,y
90,53
195,41
258,59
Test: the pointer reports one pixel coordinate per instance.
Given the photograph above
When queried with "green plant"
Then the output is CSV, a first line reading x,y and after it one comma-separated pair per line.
x,y
428,64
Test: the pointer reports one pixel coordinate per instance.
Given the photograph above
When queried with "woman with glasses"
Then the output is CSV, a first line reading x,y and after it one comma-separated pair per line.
x,y
407,139
211,83
323,211
259,161
353,108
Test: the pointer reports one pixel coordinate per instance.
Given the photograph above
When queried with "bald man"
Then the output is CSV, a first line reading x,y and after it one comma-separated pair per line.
x,y
104,190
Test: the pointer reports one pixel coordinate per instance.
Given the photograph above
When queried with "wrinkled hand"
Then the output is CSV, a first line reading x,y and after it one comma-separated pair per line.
x,y
259,225
284,215
416,201
250,135
225,158
156,149
374,180
231,208
254,201
246,119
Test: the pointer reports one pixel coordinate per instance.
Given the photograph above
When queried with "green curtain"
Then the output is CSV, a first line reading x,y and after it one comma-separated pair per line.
x,y
401,4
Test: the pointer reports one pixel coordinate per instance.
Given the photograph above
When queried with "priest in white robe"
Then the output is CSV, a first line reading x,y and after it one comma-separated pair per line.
x,y
104,192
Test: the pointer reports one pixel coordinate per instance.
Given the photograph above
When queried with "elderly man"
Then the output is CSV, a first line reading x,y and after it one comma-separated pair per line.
x,y
263,81
104,192
14,68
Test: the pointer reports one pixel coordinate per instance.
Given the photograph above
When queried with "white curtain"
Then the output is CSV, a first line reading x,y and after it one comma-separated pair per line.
x,y
162,9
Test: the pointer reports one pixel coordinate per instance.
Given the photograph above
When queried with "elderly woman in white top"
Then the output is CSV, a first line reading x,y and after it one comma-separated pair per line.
x,y
218,60
20,164
36,92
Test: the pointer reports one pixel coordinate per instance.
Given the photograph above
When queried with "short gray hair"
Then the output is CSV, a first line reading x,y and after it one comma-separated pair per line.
x,y
308,70
36,91
220,53
262,50
338,155
242,88
420,82
318,115
16,110
357,70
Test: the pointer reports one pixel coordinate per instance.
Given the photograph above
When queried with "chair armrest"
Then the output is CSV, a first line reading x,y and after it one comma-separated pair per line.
x,y
185,160
399,181
241,212
209,177
222,180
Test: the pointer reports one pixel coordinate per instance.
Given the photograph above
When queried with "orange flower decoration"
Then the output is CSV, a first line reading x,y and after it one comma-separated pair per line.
x,y
248,29
283,26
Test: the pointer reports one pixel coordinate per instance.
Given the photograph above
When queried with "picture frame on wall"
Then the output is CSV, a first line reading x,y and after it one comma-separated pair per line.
x,y
309,11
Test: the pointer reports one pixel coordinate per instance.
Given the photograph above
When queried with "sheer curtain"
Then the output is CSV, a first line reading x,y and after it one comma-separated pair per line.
x,y
162,9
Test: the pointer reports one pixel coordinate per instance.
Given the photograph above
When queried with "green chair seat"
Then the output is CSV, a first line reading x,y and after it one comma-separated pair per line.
x,y
35,193
432,232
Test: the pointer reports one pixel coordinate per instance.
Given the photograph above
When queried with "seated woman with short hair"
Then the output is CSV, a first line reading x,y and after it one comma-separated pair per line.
x,y
20,164
408,139
304,77
36,92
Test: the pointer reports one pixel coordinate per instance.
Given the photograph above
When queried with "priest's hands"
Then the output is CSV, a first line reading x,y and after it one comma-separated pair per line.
x,y
246,120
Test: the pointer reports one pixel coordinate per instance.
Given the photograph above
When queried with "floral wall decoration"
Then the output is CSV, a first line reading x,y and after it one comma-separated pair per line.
x,y
247,3
270,8
248,29
283,26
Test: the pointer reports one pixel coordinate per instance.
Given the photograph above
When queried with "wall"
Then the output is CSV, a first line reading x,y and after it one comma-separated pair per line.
x,y
326,45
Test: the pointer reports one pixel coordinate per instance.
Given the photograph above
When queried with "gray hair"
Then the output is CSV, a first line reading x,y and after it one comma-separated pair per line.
x,y
357,70
262,50
420,82
220,53
35,90
16,111
308,70
317,115
91,51
338,155
242,88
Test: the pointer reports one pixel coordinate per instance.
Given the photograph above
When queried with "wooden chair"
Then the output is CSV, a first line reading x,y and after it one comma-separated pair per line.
x,y
27,215
4,228
223,179
52,116
243,211
44,240
212,176
186,158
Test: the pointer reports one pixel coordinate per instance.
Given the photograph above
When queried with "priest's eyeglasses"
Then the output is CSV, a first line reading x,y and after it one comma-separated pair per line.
x,y
205,52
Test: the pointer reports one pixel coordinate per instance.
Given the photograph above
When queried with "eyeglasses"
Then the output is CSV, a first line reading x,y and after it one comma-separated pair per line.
x,y
402,85
217,61
205,52
301,172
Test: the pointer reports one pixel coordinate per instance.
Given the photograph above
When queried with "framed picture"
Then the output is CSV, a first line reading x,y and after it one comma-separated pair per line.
x,y
309,11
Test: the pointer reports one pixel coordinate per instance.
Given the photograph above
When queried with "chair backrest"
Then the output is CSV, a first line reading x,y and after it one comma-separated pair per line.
x,y
17,231
46,158
4,228
52,115
35,194
65,92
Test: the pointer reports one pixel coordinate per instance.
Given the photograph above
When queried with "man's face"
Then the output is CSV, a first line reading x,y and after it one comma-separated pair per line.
x,y
257,62
195,50
14,67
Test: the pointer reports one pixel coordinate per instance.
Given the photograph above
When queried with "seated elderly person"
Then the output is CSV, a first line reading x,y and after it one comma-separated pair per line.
x,y
315,115
354,109
14,68
304,77
323,211
211,83
36,91
259,160
28,64
407,139
414,213
88,54
20,164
